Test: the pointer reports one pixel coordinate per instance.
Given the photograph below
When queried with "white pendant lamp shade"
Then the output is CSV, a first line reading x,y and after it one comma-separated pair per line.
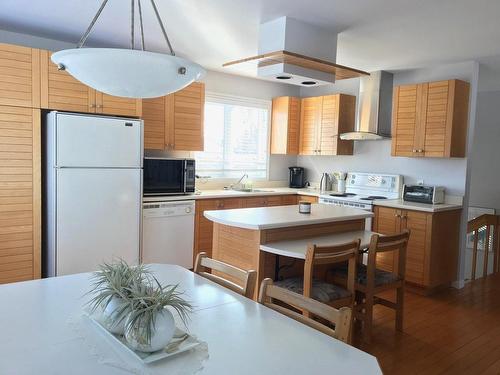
x,y
128,73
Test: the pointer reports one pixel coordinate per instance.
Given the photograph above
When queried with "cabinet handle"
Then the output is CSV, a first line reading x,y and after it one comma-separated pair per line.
x,y
420,150
397,215
99,106
414,150
92,106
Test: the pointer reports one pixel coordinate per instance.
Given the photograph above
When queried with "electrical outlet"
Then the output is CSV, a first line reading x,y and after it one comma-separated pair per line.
x,y
420,182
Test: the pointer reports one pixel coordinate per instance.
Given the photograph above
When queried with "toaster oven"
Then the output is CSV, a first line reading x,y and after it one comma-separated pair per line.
x,y
423,194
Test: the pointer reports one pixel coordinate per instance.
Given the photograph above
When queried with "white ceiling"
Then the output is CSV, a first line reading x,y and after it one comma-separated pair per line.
x,y
373,34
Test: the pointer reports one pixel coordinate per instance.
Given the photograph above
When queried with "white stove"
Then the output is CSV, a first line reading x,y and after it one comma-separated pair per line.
x,y
363,188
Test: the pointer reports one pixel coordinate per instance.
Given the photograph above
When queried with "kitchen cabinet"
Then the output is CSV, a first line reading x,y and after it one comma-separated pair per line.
x,y
430,119
19,76
20,194
307,198
285,125
432,251
323,119
60,91
203,228
175,121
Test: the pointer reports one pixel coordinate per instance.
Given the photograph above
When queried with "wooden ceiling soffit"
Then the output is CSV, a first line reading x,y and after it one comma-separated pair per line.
x,y
285,57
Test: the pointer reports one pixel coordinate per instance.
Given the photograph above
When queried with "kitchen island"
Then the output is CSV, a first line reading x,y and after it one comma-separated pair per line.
x,y
238,234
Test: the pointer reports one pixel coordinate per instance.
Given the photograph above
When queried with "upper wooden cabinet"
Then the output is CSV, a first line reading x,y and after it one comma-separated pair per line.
x,y
60,91
20,194
430,119
175,121
323,119
19,76
285,125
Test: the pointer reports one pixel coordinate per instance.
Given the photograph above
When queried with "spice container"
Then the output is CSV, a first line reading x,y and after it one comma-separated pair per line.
x,y
304,207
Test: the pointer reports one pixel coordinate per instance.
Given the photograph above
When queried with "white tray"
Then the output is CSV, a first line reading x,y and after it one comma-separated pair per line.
x,y
144,357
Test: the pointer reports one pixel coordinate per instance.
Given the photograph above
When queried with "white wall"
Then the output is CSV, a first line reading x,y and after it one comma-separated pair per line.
x,y
375,156
485,156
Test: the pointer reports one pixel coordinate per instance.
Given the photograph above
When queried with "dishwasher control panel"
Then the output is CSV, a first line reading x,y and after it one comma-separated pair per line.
x,y
162,209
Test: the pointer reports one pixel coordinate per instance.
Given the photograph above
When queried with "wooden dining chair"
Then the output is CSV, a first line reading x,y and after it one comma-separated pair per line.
x,y
245,280
319,288
371,281
339,318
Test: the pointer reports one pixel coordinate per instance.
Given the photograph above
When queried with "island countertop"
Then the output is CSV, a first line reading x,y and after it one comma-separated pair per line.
x,y
284,216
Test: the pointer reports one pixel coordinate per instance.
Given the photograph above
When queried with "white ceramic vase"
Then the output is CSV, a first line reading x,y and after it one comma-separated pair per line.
x,y
162,334
111,320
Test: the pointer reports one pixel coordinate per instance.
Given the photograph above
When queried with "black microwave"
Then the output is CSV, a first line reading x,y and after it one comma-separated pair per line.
x,y
163,176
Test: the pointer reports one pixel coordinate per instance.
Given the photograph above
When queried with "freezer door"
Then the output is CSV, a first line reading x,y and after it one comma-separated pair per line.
x,y
98,218
93,141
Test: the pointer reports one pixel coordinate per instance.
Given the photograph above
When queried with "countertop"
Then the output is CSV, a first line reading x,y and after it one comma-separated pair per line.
x,y
399,203
284,216
298,248
214,194
218,194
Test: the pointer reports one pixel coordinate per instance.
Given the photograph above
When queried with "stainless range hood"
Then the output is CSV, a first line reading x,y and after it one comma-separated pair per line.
x,y
374,108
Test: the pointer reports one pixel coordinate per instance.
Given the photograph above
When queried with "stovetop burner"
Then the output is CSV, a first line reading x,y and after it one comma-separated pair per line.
x,y
342,194
373,197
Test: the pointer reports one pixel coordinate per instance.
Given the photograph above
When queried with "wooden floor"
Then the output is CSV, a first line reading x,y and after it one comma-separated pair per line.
x,y
452,332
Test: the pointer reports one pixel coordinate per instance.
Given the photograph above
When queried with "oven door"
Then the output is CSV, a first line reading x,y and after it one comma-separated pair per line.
x,y
164,176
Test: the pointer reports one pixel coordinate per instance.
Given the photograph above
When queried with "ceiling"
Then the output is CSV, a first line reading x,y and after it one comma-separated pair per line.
x,y
373,34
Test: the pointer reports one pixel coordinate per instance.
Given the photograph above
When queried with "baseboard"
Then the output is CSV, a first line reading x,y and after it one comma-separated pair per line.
x,y
459,284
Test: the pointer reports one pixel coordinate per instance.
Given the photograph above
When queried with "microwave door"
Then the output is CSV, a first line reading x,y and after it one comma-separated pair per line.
x,y
163,177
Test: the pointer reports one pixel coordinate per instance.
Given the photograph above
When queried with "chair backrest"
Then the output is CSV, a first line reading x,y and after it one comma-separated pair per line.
x,y
245,280
317,255
341,318
490,225
379,244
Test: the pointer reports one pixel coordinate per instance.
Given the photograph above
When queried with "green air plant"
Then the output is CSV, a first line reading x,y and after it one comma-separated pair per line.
x,y
148,300
113,280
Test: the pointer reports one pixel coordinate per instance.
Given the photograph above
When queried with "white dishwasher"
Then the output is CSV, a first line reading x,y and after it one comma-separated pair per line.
x,y
168,232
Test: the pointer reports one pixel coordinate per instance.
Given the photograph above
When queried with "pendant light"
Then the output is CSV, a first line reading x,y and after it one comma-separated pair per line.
x,y
128,72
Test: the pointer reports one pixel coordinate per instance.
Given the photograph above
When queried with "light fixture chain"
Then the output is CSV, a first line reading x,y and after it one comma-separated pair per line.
x,y
91,26
132,24
162,28
143,45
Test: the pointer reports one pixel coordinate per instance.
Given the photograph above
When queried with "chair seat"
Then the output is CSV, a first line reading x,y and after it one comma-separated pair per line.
x,y
381,277
321,291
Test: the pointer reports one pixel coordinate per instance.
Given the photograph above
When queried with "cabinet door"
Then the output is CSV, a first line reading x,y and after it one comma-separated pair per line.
x,y
416,222
20,197
288,200
19,76
114,105
310,115
255,202
435,107
203,227
60,91
328,129
188,112
274,201
285,125
386,221
405,119
153,114
307,198
293,136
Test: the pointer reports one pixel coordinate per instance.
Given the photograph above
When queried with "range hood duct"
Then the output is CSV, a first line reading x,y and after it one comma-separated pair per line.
x,y
374,108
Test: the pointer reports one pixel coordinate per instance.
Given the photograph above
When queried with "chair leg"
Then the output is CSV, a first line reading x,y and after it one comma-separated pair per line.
x,y
368,318
400,296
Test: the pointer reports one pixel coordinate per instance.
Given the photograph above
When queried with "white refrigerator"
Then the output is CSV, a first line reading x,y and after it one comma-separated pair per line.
x,y
93,182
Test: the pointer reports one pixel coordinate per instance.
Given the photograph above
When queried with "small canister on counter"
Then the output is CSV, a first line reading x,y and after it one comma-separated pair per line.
x,y
304,207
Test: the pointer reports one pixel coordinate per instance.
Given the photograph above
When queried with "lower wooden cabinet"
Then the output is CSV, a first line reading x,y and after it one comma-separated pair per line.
x,y
433,246
20,194
203,228
307,198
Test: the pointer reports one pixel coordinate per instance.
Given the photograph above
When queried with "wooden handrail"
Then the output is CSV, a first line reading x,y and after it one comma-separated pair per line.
x,y
491,223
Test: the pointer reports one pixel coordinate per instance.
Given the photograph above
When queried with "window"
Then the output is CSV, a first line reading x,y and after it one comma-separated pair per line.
x,y
236,138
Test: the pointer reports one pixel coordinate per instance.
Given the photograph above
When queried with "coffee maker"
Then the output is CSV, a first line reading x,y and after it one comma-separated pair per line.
x,y
297,177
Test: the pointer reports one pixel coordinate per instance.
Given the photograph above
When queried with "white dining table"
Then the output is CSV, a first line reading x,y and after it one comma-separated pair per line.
x,y
243,337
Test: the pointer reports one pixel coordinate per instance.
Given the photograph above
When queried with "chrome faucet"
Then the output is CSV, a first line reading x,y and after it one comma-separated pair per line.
x,y
232,186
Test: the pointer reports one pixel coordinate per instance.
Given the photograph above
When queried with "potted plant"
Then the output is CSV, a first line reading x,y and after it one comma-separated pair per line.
x,y
150,324
111,293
